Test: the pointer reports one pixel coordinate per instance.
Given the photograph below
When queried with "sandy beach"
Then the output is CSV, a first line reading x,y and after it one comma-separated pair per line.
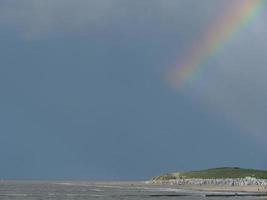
x,y
247,184
109,190
213,188
216,188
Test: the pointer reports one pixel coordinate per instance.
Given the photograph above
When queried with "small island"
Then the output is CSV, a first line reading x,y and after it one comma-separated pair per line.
x,y
215,179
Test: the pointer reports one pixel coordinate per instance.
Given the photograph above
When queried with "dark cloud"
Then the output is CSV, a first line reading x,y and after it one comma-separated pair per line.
x,y
84,95
37,18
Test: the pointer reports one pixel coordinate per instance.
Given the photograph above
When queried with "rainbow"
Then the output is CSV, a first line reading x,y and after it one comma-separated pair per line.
x,y
240,14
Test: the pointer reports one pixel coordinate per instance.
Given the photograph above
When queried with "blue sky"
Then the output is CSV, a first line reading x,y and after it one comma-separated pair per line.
x,y
83,93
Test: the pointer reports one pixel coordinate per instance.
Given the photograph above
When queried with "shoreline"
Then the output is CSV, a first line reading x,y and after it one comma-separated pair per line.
x,y
154,189
213,188
205,188
216,188
247,184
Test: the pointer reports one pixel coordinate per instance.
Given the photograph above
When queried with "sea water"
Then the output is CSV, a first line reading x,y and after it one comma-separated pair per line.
x,y
89,190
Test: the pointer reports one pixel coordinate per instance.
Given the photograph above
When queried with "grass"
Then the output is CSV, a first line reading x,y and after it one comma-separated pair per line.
x,y
222,172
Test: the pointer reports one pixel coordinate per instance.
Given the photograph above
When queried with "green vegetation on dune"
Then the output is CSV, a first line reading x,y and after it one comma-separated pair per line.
x,y
167,176
223,172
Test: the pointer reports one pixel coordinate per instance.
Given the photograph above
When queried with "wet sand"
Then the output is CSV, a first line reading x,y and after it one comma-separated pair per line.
x,y
205,189
216,188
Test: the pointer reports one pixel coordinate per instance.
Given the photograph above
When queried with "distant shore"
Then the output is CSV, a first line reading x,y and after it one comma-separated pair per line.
x,y
214,185
221,179
215,188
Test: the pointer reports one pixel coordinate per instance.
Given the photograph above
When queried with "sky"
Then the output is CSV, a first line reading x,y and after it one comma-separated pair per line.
x,y
84,93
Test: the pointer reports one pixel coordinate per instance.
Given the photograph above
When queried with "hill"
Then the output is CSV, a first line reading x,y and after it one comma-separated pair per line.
x,y
222,172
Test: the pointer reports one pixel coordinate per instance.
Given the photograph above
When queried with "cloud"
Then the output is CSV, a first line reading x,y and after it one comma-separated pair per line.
x,y
236,86
41,17
37,18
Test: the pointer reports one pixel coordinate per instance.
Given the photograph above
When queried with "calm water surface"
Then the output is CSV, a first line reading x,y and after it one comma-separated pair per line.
x,y
81,190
